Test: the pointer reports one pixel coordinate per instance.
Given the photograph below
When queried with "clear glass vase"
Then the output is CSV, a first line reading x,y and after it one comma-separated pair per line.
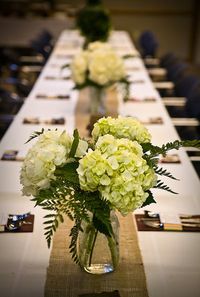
x,y
98,253
97,98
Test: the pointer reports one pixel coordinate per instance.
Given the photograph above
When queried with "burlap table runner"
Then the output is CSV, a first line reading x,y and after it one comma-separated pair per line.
x,y
64,277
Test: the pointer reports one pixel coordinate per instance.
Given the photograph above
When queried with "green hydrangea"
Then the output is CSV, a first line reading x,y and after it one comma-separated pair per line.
x,y
116,169
121,127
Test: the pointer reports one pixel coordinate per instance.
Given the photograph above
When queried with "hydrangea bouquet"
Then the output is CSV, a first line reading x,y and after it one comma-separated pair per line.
x,y
98,66
116,170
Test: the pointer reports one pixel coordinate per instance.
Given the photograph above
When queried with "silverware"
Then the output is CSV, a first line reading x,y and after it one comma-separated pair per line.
x,y
151,214
159,225
183,217
190,221
16,221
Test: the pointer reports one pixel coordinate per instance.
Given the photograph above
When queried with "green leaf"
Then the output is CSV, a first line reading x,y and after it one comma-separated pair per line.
x,y
162,186
149,200
61,218
74,144
156,150
102,226
74,238
49,216
162,171
68,171
48,222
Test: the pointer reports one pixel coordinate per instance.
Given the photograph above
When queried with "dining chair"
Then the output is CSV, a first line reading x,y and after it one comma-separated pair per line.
x,y
148,43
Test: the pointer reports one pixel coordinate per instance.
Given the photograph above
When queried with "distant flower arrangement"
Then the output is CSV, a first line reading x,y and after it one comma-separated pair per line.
x,y
94,22
98,66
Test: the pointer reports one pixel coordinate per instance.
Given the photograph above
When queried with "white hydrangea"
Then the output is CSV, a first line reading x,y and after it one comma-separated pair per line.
x,y
99,63
93,46
117,170
51,150
121,127
79,67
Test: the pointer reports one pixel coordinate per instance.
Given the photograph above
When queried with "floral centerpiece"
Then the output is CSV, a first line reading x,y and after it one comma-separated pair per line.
x,y
98,67
87,181
94,22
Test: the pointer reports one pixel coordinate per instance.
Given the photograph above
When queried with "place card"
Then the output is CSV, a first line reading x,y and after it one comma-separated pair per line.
x,y
137,81
132,68
143,100
64,56
170,159
37,121
52,97
13,155
57,77
153,121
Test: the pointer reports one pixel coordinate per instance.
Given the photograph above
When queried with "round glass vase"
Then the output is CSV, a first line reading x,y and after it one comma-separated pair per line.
x,y
98,253
97,97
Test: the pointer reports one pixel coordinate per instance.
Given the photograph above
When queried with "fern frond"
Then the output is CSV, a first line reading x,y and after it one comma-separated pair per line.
x,y
162,186
74,238
35,134
162,171
51,227
156,150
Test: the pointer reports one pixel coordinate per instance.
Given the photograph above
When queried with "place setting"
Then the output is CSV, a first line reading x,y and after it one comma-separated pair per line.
x,y
42,121
151,221
12,223
52,96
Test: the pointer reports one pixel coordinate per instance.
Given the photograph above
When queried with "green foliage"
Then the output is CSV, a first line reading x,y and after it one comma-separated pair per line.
x,y
64,197
156,150
149,200
68,172
162,171
74,144
74,238
35,134
162,186
94,23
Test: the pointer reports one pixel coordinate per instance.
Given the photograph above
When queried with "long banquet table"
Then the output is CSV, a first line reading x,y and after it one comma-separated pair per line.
x,y
171,259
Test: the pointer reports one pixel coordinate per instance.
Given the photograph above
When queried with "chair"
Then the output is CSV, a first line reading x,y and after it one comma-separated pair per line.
x,y
10,103
186,84
186,116
5,121
176,71
148,44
